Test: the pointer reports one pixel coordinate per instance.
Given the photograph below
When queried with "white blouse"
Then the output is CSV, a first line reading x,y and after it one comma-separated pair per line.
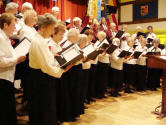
x,y
116,62
8,58
40,57
28,32
142,59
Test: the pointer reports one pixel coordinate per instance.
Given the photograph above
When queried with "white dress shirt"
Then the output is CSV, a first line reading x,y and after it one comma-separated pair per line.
x,y
28,32
132,50
123,44
8,58
151,35
142,59
163,52
102,58
40,57
116,62
152,49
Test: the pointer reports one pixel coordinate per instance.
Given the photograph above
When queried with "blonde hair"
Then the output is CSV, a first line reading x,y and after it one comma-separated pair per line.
x,y
101,34
60,27
11,6
28,15
72,32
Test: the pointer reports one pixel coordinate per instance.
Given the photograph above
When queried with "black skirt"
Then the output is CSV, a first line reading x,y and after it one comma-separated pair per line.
x,y
41,98
141,73
129,74
7,103
92,82
102,79
116,78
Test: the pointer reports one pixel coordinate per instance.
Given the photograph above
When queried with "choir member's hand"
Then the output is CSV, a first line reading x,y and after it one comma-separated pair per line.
x,y
126,57
144,55
55,54
84,59
68,67
21,59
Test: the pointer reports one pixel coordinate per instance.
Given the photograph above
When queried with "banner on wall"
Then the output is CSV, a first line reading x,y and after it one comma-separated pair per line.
x,y
148,10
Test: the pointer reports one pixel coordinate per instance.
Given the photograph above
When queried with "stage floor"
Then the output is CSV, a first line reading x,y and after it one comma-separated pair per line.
x,y
130,109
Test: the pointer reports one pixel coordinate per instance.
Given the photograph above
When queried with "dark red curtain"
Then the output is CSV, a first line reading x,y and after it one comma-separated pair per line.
x,y
68,8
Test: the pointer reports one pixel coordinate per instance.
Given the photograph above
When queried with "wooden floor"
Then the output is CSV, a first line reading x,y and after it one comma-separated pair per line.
x,y
130,109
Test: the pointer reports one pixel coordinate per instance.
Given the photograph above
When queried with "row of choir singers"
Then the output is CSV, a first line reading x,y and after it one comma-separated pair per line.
x,y
56,94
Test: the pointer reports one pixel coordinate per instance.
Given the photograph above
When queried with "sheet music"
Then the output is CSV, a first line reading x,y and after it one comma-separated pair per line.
x,y
87,50
163,57
70,54
23,48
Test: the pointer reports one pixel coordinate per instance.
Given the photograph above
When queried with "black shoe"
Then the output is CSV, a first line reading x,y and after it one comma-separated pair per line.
x,y
92,100
128,91
119,94
113,94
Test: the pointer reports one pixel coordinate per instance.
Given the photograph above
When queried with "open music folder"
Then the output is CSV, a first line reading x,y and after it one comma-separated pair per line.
x,y
22,48
137,54
111,49
70,55
124,53
119,34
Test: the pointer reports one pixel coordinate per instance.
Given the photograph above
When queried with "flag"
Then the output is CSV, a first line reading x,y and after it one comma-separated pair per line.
x,y
113,3
98,10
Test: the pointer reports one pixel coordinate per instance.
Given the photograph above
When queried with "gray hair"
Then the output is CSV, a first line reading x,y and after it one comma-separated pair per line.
x,y
101,34
72,32
156,40
46,20
10,6
27,5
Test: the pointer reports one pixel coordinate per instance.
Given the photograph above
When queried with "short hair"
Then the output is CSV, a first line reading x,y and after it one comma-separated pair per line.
x,y
139,27
72,32
82,38
28,14
149,27
6,18
114,41
77,19
101,34
126,35
89,32
46,20
156,40
59,28
27,5
113,24
55,9
10,6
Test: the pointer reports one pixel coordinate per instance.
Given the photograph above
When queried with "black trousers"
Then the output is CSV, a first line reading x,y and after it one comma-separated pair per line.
x,y
141,72
7,103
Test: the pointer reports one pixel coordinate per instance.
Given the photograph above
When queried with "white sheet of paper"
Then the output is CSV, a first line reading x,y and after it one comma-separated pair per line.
x,y
70,54
87,50
163,57
23,48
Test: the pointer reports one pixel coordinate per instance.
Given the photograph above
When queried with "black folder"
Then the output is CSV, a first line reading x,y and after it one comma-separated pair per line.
x,y
111,49
63,62
141,33
84,29
161,46
149,45
150,40
124,53
152,53
137,54
119,34
134,46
